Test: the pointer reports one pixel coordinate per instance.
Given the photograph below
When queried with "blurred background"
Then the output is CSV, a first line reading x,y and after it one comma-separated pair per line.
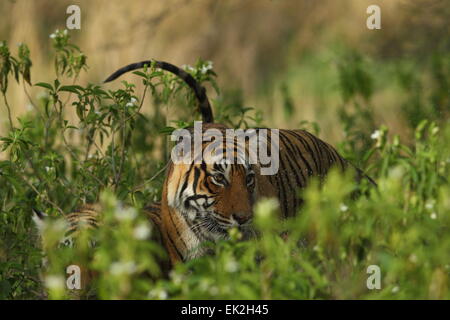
x,y
381,97
291,60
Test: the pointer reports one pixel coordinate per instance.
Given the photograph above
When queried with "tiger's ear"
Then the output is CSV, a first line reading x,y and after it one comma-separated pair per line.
x,y
39,219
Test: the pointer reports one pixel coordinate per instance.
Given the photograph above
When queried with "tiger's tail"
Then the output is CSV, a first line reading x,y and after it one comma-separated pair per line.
x,y
199,90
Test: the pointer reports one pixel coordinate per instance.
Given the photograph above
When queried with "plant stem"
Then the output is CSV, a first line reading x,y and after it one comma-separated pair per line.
x,y
9,111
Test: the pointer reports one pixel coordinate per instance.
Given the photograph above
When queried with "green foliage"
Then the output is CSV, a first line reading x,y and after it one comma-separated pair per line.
x,y
110,152
69,60
119,261
325,251
427,95
55,162
356,85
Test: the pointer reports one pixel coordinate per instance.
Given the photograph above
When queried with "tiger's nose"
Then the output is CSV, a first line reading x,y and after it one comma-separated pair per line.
x,y
241,218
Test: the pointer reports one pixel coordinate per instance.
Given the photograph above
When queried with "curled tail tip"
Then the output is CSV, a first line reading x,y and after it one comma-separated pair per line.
x,y
111,77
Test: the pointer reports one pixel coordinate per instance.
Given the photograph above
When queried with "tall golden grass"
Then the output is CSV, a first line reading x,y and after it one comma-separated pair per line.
x,y
253,43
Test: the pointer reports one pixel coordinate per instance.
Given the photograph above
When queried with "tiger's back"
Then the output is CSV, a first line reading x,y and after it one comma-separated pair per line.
x,y
301,157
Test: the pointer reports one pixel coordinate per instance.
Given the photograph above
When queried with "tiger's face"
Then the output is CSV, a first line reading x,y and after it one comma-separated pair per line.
x,y
213,198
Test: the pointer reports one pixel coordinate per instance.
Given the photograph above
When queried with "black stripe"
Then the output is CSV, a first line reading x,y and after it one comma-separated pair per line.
x,y
176,230
309,170
317,147
206,184
292,169
186,179
289,148
308,149
174,246
196,178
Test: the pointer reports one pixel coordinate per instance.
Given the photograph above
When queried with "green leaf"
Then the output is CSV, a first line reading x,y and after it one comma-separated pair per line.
x,y
167,130
44,85
140,73
72,89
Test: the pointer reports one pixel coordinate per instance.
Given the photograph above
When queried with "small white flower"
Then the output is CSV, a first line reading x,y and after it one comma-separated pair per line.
x,y
65,32
213,291
47,168
231,266
343,207
158,294
395,289
433,216
204,285
266,207
376,135
176,277
53,36
429,205
206,67
54,282
188,68
119,268
132,102
125,214
141,232
163,295
435,130
413,258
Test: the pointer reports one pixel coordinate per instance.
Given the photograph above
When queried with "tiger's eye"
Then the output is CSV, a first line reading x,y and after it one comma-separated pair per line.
x,y
250,179
218,177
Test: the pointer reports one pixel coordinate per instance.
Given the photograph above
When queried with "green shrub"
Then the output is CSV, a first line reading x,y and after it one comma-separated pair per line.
x,y
110,152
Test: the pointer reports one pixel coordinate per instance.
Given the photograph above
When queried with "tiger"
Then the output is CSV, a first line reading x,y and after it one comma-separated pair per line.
x,y
202,201
88,218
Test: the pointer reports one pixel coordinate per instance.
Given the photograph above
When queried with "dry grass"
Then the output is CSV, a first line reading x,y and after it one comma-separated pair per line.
x,y
254,44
